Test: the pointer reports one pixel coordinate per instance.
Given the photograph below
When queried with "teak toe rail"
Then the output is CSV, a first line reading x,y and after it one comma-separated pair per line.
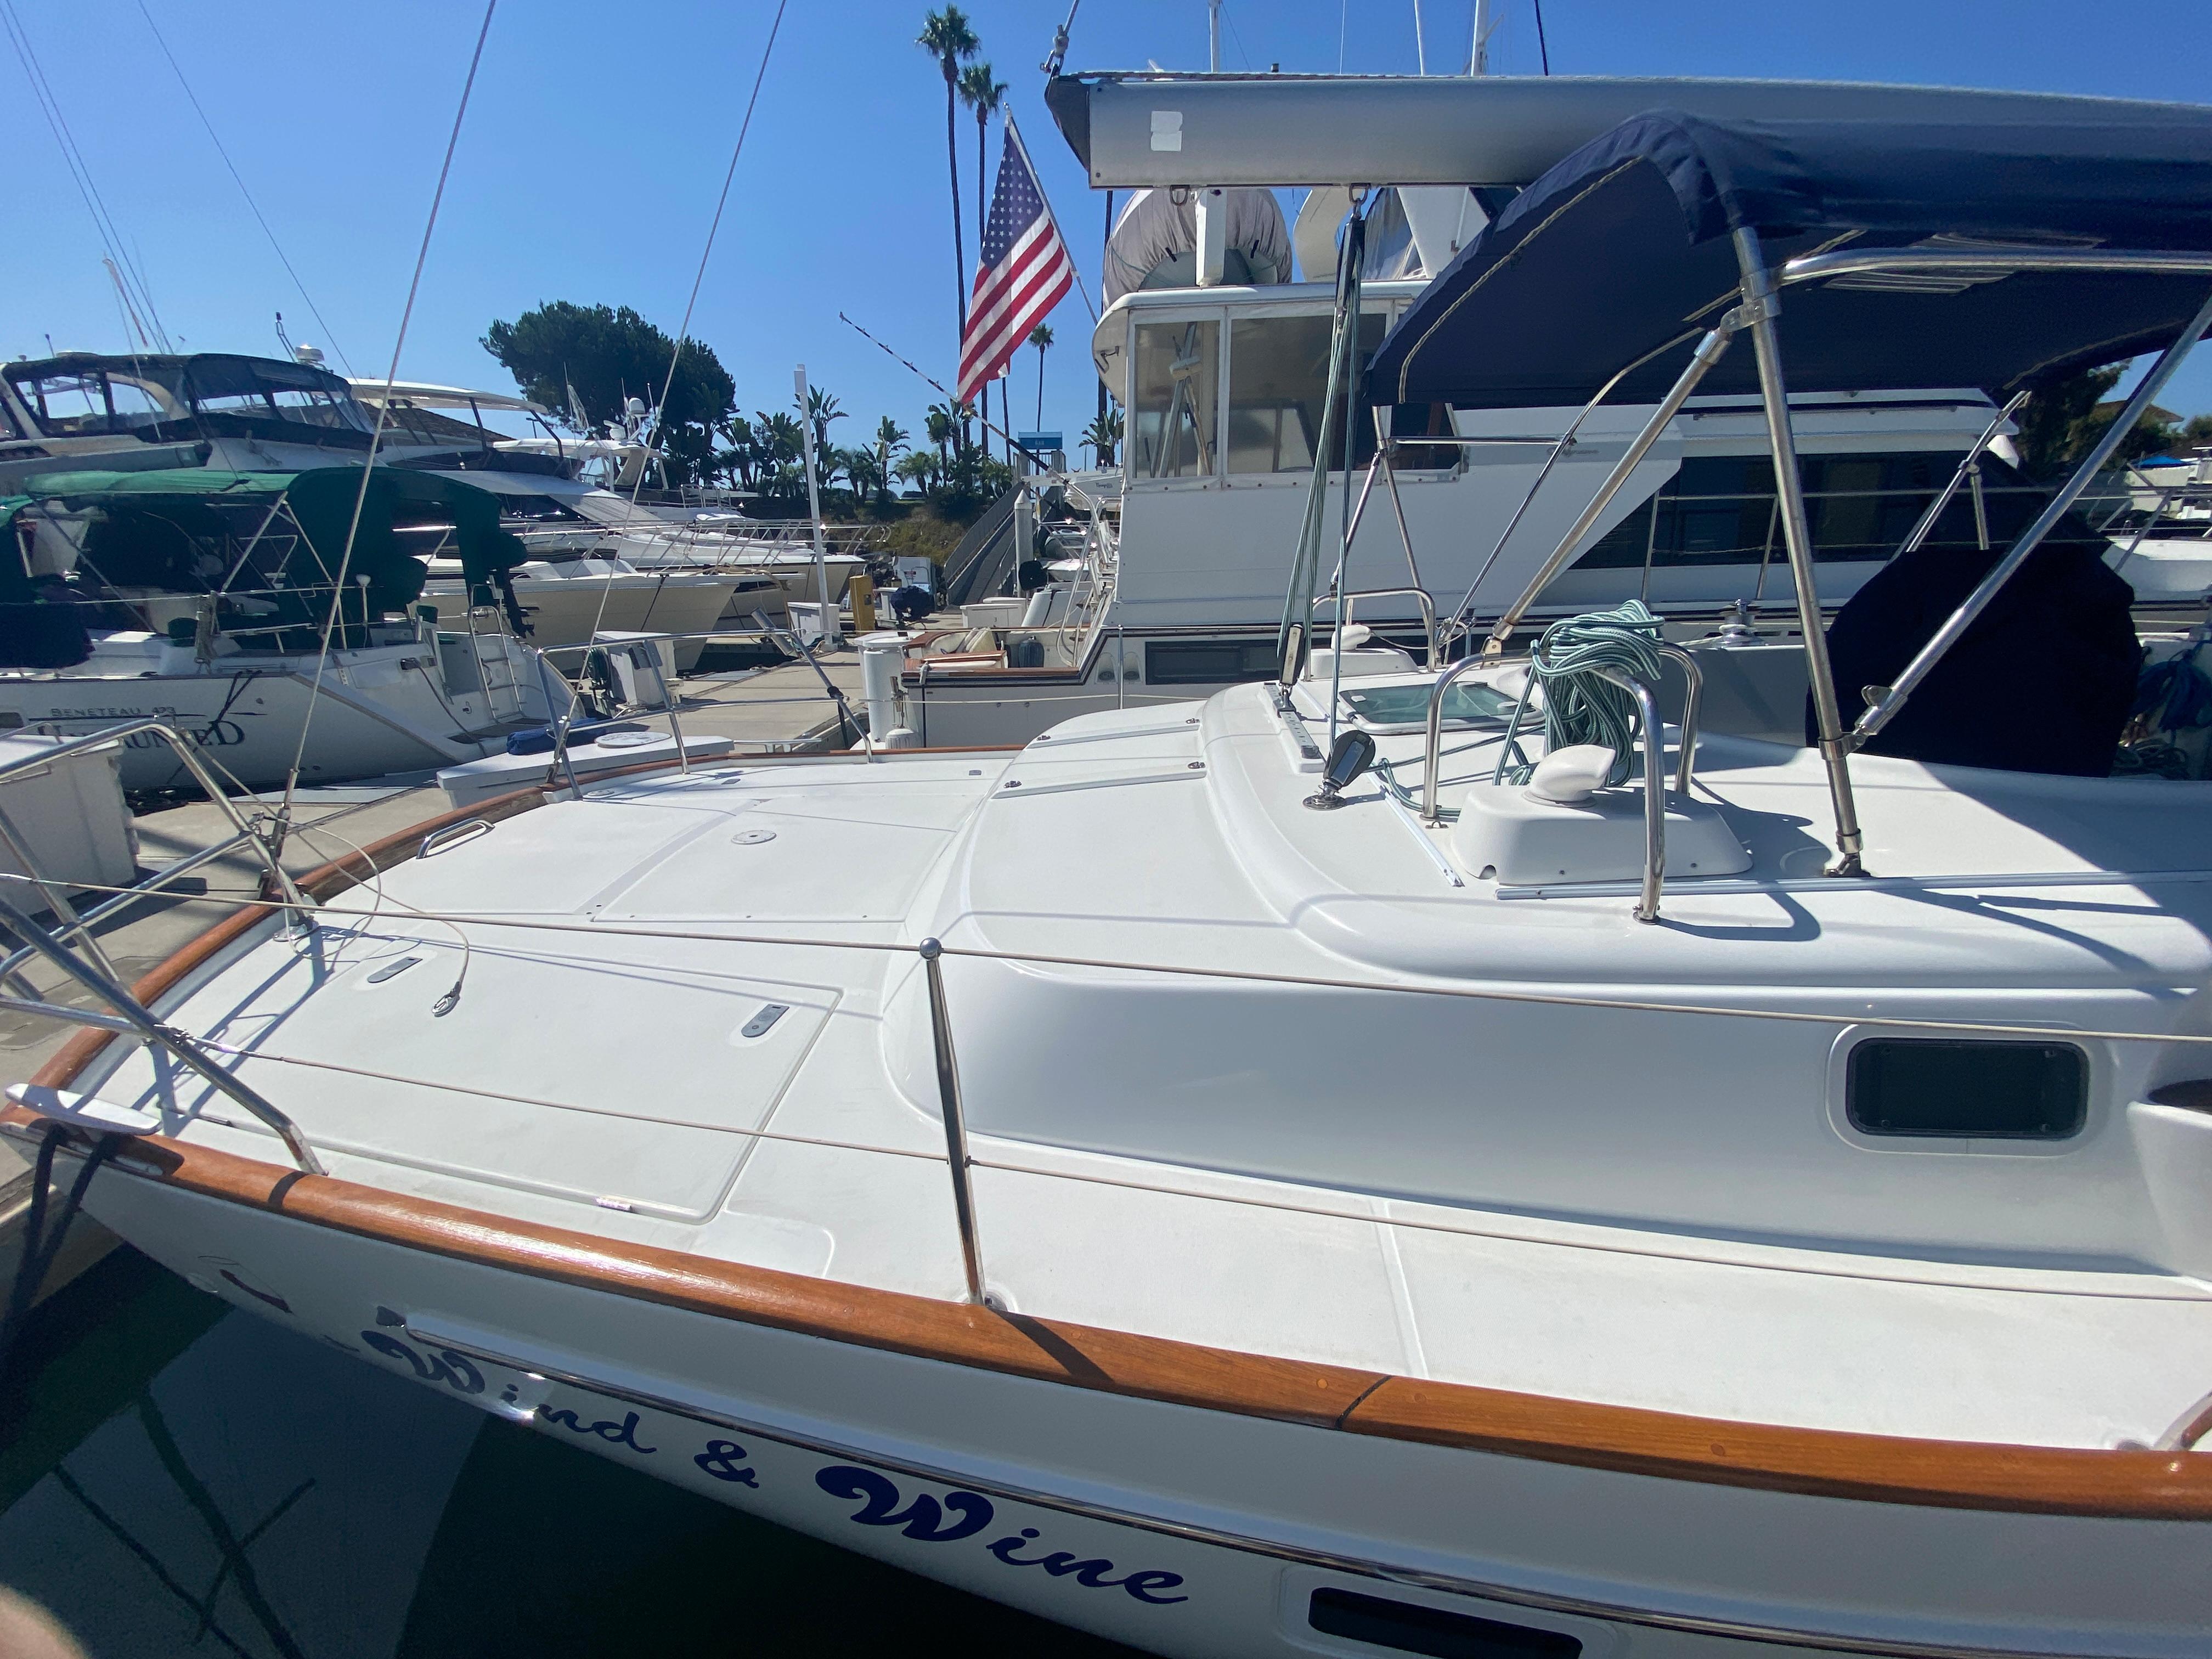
x,y
1958,1475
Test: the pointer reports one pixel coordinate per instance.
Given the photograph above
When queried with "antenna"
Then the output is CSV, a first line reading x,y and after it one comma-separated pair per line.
x,y
1214,32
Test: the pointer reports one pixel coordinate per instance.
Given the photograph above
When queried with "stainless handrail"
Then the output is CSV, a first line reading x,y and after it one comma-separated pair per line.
x,y
132,1016
1431,754
956,1123
187,751
1655,773
1419,595
1694,674
1654,791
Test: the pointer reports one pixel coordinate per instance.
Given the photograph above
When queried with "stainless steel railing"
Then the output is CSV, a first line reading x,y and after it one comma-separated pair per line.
x,y
130,1017
1655,783
1418,595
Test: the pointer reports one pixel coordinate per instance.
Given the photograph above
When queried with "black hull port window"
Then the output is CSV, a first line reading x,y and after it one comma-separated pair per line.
x,y
1384,1621
1210,662
1967,1090
1722,510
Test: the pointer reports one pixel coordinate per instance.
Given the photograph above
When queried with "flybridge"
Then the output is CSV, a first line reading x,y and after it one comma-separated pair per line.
x,y
1142,128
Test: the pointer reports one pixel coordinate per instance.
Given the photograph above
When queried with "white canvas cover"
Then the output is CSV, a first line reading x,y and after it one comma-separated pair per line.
x,y
1156,238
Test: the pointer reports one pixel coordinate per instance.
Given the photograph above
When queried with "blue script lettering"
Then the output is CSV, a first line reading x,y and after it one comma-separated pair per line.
x,y
623,1433
719,1460
922,1519
1091,1573
444,1366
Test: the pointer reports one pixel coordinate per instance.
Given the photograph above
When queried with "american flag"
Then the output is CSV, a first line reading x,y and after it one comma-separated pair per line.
x,y
1024,272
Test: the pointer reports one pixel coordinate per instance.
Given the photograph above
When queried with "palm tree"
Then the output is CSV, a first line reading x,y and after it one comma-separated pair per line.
x,y
938,426
946,37
1041,336
890,438
1103,435
982,92
821,410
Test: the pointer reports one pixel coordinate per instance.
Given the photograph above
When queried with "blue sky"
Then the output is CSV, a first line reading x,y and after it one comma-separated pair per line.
x,y
598,136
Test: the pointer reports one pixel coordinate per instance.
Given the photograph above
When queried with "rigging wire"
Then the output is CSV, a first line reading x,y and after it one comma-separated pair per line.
x,y
1543,51
676,357
713,230
252,206
376,440
73,158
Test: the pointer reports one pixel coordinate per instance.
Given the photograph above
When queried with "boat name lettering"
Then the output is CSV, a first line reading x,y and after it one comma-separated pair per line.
x,y
443,1366
720,1460
623,1433
215,734
924,1519
1060,1564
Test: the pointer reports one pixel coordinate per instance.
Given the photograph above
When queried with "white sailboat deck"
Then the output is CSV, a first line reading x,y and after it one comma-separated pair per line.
x,y
1655,1209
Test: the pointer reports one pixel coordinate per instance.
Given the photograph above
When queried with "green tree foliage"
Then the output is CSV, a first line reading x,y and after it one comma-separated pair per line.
x,y
821,410
1103,435
2062,421
891,439
921,469
609,354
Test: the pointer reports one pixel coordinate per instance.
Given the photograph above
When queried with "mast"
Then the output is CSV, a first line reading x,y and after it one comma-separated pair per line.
x,y
1213,35
1478,62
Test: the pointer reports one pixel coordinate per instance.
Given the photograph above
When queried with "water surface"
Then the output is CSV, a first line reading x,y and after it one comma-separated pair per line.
x,y
180,1478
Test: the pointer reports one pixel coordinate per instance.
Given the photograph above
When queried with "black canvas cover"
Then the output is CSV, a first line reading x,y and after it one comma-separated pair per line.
x,y
2043,680
1622,255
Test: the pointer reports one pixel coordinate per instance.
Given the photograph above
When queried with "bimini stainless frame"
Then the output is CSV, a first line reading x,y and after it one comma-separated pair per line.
x,y
1759,305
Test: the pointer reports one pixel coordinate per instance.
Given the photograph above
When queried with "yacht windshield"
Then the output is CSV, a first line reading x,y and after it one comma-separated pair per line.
x,y
73,403
164,397
265,389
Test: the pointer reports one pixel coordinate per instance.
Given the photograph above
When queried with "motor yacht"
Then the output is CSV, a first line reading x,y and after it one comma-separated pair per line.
x,y
205,599
1212,339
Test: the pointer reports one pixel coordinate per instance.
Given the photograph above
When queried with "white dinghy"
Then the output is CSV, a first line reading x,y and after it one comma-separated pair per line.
x,y
1424,1187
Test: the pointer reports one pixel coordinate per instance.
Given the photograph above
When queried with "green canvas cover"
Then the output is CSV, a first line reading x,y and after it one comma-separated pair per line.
x,y
157,529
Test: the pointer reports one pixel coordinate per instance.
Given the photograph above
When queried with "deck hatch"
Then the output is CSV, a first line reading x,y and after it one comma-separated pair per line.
x,y
1967,1090
1411,1628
